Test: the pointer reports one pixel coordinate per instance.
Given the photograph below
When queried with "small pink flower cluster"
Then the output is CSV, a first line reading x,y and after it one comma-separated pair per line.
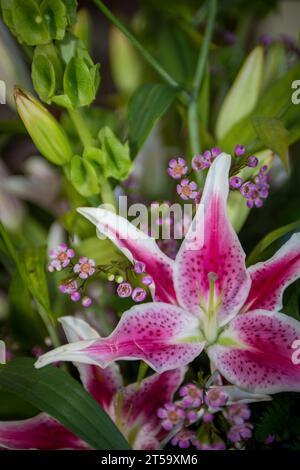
x,y
138,294
186,189
61,258
201,405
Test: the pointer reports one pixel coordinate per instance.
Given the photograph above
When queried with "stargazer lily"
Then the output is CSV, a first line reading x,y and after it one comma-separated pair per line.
x,y
133,408
206,298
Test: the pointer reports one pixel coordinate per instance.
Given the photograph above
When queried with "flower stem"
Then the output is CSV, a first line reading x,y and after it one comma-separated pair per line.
x,y
88,141
81,128
193,117
147,56
49,325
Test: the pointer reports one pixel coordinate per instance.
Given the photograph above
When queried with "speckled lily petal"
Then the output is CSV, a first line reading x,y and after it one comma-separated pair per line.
x,y
271,277
135,244
255,352
163,335
41,432
102,384
212,246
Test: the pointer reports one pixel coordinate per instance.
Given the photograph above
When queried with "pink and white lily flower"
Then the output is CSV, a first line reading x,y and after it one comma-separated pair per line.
x,y
206,298
133,408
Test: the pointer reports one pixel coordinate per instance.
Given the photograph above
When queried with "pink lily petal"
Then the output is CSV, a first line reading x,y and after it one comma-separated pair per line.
x,y
255,352
136,245
163,335
141,402
41,432
212,246
102,384
271,277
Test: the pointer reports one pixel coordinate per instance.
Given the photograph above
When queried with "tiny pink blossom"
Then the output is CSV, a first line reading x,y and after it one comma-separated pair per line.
x,y
239,150
68,287
191,416
75,296
124,289
139,294
171,414
187,189
147,280
60,257
240,433
139,267
183,439
192,396
86,301
237,413
208,417
85,267
177,168
216,397
215,151
201,162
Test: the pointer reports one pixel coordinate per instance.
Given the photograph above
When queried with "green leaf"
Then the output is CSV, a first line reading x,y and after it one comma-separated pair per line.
x,y
117,158
102,251
243,94
54,14
28,23
25,322
32,262
53,391
78,83
71,7
275,65
146,106
84,176
273,136
46,71
270,238
280,107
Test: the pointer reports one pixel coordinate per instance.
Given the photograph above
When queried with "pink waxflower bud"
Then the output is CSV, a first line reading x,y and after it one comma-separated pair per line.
x,y
124,289
139,294
86,301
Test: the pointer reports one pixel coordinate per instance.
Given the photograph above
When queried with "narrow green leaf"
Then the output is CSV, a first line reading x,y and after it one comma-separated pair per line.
x,y
243,94
146,106
271,237
273,136
55,392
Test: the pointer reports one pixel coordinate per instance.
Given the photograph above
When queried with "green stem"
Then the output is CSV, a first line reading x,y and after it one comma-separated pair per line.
x,y
193,117
88,141
81,128
143,367
147,56
49,325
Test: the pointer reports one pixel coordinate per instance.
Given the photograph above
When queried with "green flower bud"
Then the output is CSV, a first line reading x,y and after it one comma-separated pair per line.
x,y
119,279
47,134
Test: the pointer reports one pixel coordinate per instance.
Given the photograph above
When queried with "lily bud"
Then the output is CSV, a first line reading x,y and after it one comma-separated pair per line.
x,y
47,134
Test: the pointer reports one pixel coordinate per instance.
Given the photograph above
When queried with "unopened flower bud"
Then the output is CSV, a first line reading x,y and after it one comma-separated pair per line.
x,y
47,134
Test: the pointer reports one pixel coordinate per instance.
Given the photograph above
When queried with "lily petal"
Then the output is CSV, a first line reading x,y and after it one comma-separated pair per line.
x,y
136,245
163,335
141,402
41,432
255,352
212,246
102,384
271,277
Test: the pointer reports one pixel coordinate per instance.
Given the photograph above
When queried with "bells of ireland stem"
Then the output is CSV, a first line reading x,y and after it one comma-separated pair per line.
x,y
45,131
